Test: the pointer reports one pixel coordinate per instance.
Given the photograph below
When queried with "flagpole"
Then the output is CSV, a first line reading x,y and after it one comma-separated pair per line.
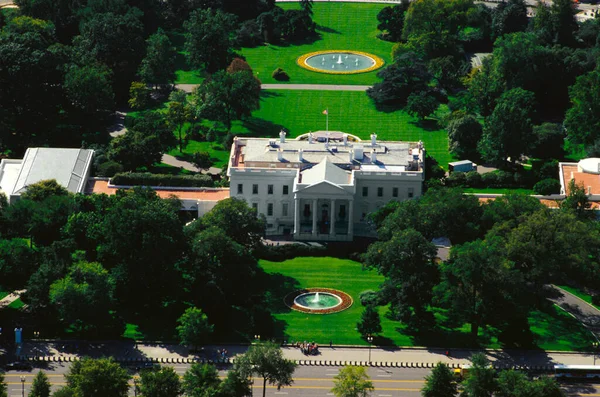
x,y
327,120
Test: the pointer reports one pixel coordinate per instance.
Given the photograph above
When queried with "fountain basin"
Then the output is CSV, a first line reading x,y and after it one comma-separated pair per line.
x,y
340,62
318,300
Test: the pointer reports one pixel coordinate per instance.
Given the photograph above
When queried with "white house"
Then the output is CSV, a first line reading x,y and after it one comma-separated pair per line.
x,y
321,186
70,168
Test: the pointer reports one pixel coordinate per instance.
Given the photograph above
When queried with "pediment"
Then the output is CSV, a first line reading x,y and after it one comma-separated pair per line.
x,y
323,188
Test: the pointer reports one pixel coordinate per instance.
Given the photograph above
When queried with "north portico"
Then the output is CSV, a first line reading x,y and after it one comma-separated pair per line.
x,y
320,186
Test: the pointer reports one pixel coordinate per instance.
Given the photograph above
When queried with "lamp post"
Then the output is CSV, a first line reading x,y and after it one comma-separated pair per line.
x,y
23,386
596,345
257,337
36,334
136,385
370,340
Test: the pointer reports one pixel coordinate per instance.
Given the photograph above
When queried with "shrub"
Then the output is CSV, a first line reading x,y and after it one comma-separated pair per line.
x,y
473,179
369,298
109,169
148,179
547,187
280,253
456,179
280,75
489,179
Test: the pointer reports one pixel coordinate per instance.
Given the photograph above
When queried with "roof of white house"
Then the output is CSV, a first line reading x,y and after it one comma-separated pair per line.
x,y
325,171
68,167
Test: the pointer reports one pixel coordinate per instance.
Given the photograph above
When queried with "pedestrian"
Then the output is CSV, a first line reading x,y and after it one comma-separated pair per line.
x,y
331,344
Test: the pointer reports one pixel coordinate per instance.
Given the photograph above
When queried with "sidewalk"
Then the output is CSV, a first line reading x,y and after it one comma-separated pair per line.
x,y
404,357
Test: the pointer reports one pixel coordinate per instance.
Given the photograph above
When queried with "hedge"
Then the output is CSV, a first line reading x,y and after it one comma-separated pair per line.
x,y
495,179
148,179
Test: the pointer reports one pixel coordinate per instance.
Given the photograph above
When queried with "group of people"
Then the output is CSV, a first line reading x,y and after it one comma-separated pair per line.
x,y
308,348
222,353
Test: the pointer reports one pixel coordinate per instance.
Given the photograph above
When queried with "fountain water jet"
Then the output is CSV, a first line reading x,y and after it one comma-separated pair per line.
x,y
316,298
339,61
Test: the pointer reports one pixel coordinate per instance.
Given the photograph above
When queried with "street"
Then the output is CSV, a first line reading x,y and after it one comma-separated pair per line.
x,y
308,381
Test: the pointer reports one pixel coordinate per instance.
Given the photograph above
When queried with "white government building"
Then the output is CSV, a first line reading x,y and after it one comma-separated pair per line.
x,y
321,185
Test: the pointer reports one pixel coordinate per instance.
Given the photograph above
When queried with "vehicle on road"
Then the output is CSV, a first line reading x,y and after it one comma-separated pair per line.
x,y
577,372
18,366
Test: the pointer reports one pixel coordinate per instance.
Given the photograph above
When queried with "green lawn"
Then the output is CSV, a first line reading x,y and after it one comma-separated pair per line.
x,y
490,190
218,154
4,294
17,304
341,26
552,329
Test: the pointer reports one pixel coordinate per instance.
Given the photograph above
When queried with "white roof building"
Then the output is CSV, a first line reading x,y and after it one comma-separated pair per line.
x,y
321,186
69,167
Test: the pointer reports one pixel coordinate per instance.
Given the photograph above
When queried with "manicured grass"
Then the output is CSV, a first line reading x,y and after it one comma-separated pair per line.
x,y
217,152
552,329
4,294
580,294
349,111
490,190
341,26
17,304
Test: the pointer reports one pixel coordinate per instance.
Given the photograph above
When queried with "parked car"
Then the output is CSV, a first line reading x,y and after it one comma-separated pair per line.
x,y
18,366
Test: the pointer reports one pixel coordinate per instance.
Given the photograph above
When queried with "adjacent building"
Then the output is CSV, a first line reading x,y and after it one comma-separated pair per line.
x,y
321,185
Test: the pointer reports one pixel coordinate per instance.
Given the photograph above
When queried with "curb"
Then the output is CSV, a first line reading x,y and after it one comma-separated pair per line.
x,y
310,363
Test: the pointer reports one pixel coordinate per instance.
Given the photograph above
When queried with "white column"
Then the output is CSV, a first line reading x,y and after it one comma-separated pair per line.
x,y
351,218
314,210
332,218
296,216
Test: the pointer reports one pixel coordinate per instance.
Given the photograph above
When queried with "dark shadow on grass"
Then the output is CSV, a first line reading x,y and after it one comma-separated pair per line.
x,y
269,94
427,124
262,128
277,287
388,107
326,29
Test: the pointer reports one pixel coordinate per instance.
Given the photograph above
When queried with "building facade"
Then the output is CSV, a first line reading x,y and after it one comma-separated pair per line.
x,y
321,186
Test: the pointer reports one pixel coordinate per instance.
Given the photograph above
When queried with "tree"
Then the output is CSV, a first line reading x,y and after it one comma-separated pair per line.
x,y
135,150
421,104
177,114
464,133
63,14
547,186
486,85
98,378
84,297
508,208
352,381
577,201
509,17
41,190
407,262
480,382
160,383
3,387
306,6
208,39
441,382
266,360
40,387
369,323
194,328
391,21
234,385
582,120
202,160
508,131
564,22
239,65
550,139
201,380
89,93
155,123
17,263
226,97
139,96
407,75
158,67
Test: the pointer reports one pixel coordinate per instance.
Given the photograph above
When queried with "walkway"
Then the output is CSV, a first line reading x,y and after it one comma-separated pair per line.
x,y
587,314
186,165
311,87
8,299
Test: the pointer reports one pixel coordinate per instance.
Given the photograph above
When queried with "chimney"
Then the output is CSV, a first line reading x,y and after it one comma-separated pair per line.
x,y
589,190
280,154
373,156
373,139
282,136
351,155
571,175
310,137
345,136
300,153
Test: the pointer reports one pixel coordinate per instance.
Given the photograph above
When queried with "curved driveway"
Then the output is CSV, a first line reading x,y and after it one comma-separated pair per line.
x,y
587,314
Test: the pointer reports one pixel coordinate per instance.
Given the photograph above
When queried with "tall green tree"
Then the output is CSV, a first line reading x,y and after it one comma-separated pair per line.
x,y
98,378
208,39
42,190
509,17
464,133
441,382
582,120
234,385
158,66
352,381
3,386
407,262
178,113
40,387
201,380
421,104
160,383
565,25
480,382
508,130
266,360
226,97
369,323
135,149
194,328
391,21
17,263
577,201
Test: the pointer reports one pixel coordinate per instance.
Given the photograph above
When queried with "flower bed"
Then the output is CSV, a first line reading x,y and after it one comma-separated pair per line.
x,y
346,301
302,62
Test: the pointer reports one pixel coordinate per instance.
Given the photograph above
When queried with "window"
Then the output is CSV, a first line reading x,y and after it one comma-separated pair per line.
x,y
342,213
365,191
270,209
255,207
379,192
411,192
255,189
286,189
284,209
240,188
269,189
395,192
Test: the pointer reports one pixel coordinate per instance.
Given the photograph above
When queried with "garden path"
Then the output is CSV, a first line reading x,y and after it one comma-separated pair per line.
x,y
587,314
8,299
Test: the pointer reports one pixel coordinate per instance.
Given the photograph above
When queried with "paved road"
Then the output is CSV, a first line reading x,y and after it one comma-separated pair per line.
x,y
308,381
310,87
578,308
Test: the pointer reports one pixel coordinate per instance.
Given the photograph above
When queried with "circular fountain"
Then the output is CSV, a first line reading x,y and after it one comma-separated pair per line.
x,y
340,62
318,300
